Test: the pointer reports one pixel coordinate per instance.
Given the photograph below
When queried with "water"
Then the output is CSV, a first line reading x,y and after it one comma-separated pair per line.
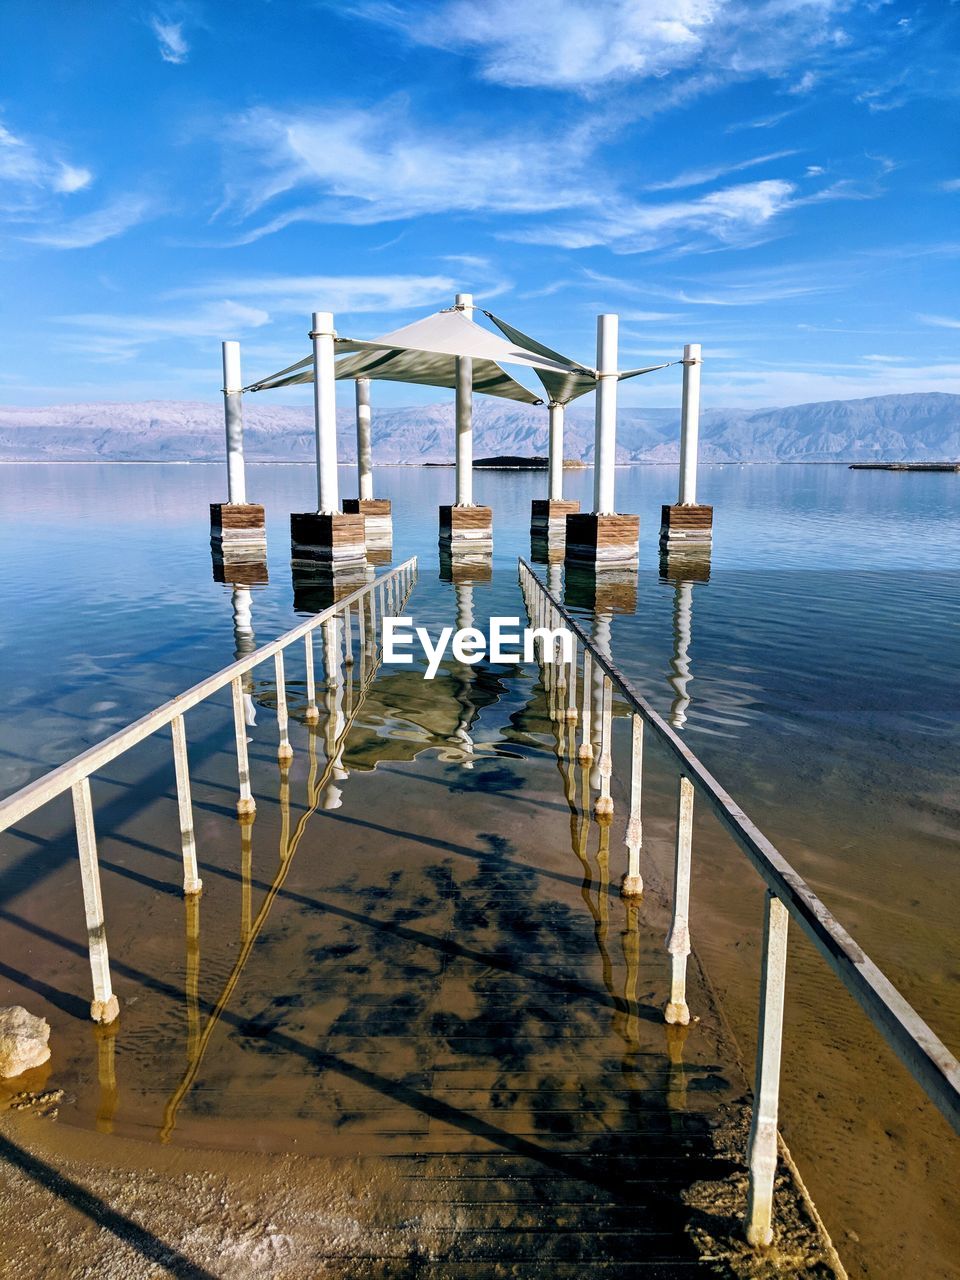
x,y
820,683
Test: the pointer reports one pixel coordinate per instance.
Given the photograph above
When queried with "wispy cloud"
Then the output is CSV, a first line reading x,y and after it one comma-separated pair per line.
x,y
365,167
32,171
731,215
710,173
171,40
93,228
940,322
299,295
584,47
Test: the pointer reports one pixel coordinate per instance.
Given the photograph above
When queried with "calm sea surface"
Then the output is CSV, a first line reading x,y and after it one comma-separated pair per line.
x,y
816,671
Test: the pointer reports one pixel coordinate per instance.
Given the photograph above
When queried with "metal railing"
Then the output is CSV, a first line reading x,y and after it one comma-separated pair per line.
x,y
384,595
927,1059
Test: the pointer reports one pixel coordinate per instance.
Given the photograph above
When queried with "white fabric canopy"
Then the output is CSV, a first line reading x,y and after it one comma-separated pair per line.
x,y
426,352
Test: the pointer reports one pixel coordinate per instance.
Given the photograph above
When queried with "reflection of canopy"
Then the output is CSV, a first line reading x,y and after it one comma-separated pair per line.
x,y
426,352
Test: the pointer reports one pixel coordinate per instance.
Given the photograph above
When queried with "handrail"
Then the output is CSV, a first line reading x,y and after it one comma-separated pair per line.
x,y
390,588
30,797
921,1051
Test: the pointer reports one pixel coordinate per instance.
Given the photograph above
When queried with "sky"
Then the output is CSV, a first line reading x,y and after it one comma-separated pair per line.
x,y
778,180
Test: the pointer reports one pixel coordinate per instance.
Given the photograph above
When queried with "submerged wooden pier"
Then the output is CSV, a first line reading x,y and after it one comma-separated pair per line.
x,y
466,983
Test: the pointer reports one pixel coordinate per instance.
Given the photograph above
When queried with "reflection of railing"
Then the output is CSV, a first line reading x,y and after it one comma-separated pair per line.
x,y
371,601
932,1065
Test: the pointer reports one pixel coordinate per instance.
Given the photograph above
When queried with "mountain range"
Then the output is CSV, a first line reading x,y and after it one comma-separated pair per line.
x,y
922,426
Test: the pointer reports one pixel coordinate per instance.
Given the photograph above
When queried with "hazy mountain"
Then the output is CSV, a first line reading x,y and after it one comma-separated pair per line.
x,y
916,427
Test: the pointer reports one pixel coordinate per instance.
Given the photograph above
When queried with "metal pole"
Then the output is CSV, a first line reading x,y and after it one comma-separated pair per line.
x,y
762,1143
678,939
325,412
464,419
605,443
233,421
312,713
603,809
690,424
556,452
191,880
364,445
284,751
104,1007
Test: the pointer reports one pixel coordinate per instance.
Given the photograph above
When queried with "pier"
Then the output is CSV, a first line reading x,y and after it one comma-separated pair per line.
x,y
440,932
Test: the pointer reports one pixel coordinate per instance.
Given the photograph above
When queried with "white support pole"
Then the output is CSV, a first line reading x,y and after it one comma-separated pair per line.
x,y
556,452
762,1143
690,424
678,939
364,445
605,443
464,418
104,1006
284,750
246,803
325,412
233,421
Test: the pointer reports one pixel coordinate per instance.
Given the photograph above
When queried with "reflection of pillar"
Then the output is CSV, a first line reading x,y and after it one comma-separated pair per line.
x,y
463,679
192,970
680,662
246,872
107,1067
333,702
244,642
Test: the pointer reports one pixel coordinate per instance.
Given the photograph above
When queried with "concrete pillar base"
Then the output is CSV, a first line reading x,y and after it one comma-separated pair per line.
x,y
604,541
685,527
548,516
237,529
334,540
377,519
466,529
599,589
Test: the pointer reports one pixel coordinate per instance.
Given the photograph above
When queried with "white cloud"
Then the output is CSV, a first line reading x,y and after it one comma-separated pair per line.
x,y
95,227
373,166
806,82
940,322
732,215
710,173
170,38
300,295
32,172
115,336
951,184
583,46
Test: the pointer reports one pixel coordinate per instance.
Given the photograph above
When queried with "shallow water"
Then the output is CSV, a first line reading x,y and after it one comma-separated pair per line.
x,y
820,682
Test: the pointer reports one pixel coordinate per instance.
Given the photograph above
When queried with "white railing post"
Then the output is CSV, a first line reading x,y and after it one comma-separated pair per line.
x,y
284,750
632,884
325,412
678,939
603,809
762,1144
585,754
312,713
233,423
191,879
104,1007
246,804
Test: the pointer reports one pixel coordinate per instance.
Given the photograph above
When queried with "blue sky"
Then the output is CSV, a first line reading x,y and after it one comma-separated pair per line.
x,y
777,179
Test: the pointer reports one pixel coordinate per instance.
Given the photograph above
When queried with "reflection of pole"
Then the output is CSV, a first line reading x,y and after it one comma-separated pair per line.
x,y
192,975
246,871
680,663
107,1067
244,642
463,681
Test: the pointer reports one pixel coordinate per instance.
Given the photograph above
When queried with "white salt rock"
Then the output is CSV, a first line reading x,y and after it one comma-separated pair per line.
x,y
23,1041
